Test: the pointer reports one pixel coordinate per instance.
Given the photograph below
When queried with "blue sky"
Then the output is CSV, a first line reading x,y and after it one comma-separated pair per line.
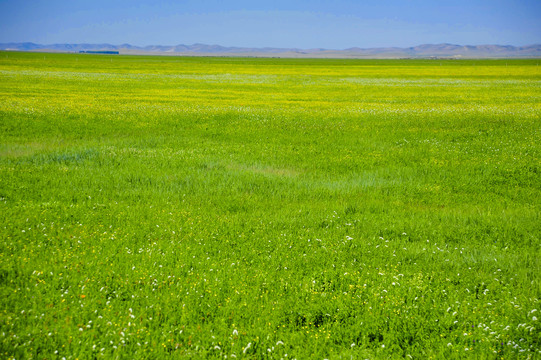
x,y
332,24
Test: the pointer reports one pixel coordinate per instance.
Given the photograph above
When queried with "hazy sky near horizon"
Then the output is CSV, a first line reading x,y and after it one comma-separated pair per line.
x,y
337,24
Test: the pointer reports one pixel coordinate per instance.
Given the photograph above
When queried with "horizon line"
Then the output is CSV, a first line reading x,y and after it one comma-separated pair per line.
x,y
266,47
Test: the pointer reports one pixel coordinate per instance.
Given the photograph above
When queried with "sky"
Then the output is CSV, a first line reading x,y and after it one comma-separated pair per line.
x,y
305,24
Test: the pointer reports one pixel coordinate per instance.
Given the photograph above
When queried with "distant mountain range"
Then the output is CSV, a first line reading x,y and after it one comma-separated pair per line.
x,y
421,51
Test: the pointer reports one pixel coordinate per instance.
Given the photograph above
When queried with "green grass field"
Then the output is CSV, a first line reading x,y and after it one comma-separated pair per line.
x,y
269,208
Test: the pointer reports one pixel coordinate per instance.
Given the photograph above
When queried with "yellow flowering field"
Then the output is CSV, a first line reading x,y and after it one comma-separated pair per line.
x,y
252,208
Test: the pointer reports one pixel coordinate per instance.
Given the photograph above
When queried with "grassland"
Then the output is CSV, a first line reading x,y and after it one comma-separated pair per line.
x,y
267,208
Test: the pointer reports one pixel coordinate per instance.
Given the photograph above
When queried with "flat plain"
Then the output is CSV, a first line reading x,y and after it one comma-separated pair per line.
x,y
269,208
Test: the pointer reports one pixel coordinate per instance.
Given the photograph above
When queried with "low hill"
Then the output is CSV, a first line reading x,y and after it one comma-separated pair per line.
x,y
420,51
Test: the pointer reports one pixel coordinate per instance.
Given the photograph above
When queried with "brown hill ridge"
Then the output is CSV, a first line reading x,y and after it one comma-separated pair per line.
x,y
420,51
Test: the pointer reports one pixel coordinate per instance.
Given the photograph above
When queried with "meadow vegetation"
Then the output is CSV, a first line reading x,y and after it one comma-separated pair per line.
x,y
269,208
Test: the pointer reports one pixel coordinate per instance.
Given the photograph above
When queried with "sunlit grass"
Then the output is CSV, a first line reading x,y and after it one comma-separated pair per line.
x,y
213,207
